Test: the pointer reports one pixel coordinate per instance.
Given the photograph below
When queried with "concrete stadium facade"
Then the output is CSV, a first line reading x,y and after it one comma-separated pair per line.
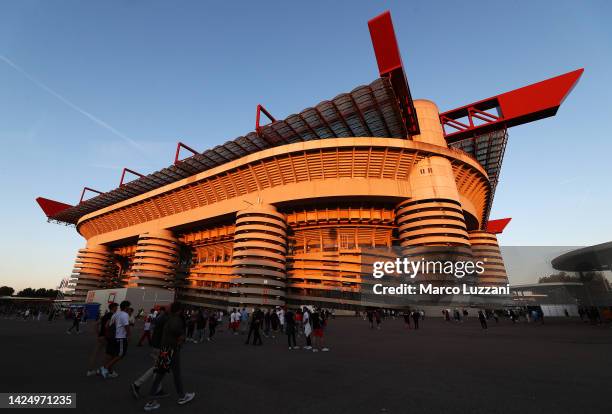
x,y
296,212
289,224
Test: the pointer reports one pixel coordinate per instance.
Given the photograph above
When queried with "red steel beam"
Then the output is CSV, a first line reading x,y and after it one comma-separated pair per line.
x,y
51,207
390,66
520,106
178,150
261,109
86,189
131,172
497,226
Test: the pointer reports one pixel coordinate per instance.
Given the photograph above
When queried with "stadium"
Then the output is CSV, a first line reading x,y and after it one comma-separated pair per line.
x,y
292,212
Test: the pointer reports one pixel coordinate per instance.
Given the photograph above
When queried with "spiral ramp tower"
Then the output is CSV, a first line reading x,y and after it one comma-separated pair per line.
x,y
259,256
431,224
94,268
156,259
486,248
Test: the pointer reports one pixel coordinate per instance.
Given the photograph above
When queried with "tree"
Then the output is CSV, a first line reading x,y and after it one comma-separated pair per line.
x,y
38,293
6,291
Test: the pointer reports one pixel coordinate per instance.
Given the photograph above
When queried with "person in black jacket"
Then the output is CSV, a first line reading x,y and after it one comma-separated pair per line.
x,y
257,319
173,336
156,338
290,329
416,315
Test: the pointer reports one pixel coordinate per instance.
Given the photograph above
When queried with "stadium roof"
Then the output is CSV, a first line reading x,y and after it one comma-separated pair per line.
x,y
592,258
383,108
368,111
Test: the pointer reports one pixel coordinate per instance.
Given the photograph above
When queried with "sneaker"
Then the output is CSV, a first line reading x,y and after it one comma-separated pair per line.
x,y
112,374
103,372
296,347
151,405
186,398
325,349
91,372
135,390
290,348
315,350
308,347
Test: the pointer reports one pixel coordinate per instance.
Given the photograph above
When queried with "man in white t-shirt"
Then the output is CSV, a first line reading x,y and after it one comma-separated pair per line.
x,y
117,347
235,321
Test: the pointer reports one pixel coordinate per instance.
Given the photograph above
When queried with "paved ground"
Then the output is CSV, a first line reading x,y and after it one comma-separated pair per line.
x,y
443,368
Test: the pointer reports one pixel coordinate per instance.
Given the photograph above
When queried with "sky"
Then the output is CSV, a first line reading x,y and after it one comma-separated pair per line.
x,y
87,88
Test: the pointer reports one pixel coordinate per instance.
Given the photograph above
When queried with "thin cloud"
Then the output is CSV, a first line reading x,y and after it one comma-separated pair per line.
x,y
83,112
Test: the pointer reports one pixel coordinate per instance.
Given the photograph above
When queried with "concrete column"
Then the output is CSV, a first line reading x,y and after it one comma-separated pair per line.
x,y
156,259
486,248
431,224
259,256
94,268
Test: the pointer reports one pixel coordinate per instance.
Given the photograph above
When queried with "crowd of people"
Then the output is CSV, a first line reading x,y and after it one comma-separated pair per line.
x,y
167,330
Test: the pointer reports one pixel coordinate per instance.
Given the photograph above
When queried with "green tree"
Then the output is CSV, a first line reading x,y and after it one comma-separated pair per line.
x,y
6,291
38,293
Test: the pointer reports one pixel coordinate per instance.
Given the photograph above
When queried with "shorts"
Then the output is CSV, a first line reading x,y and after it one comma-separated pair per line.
x,y
318,332
117,347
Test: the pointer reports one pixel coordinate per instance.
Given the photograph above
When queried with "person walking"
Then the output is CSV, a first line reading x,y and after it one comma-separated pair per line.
x,y
281,318
307,327
482,319
244,321
119,323
274,323
290,326
158,324
416,315
200,326
146,333
406,315
212,326
370,316
318,325
235,321
100,339
267,322
173,337
254,326
76,321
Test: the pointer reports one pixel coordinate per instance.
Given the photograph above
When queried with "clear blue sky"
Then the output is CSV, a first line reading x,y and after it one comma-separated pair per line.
x,y
97,86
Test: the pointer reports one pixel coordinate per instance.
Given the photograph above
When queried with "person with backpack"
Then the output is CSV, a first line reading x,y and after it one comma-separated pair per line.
x,y
100,338
117,334
156,339
173,337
